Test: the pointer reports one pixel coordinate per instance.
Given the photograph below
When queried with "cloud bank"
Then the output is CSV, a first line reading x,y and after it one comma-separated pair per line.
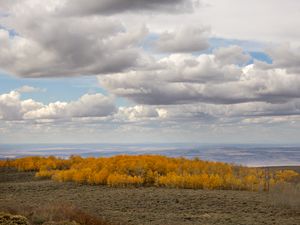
x,y
154,72
208,78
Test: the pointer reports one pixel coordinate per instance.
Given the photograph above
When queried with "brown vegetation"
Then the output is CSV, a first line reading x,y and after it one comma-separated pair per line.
x,y
53,214
286,195
145,205
8,219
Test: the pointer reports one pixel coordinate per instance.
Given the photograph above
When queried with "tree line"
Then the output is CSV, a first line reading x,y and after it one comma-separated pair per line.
x,y
151,170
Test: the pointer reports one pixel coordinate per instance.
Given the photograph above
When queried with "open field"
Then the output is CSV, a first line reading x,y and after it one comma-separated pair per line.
x,y
149,205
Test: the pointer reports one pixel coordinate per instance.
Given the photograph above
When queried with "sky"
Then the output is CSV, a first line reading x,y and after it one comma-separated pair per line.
x,y
149,71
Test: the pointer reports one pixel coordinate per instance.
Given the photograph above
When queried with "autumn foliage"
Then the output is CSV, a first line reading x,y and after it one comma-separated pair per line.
x,y
151,170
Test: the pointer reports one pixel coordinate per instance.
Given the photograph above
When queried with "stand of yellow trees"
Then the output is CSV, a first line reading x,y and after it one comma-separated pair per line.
x,y
151,170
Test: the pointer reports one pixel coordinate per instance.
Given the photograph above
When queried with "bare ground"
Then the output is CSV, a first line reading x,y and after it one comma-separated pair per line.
x,y
150,205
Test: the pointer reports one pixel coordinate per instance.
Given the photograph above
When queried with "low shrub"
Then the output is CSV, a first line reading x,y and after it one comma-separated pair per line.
x,y
8,219
54,214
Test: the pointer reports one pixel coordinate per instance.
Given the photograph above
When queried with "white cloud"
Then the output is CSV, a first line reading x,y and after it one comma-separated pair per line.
x,y
141,112
89,105
10,106
28,89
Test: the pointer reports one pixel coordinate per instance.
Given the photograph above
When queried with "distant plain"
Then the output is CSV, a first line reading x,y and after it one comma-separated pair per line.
x,y
244,154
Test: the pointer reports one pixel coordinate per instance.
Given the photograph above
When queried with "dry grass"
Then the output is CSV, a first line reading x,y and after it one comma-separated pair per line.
x,y
55,214
142,206
286,195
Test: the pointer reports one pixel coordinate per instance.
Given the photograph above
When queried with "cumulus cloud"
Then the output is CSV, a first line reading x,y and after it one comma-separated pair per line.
x,y
89,105
69,38
47,45
86,108
74,49
98,108
94,112
231,55
141,112
285,56
187,39
183,79
10,106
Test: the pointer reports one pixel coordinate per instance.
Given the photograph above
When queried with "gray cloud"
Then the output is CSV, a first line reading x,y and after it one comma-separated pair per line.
x,y
182,79
105,7
249,109
48,45
119,6
71,51
285,56
231,55
187,39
